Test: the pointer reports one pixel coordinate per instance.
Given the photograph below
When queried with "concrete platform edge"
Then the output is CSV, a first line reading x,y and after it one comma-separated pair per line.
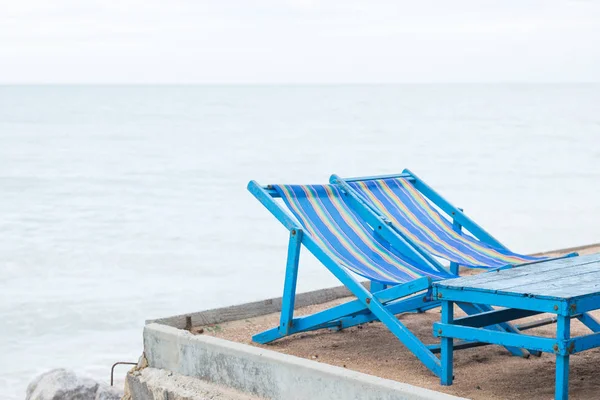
x,y
267,373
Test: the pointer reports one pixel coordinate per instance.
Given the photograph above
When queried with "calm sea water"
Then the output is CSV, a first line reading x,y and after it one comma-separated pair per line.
x,y
120,204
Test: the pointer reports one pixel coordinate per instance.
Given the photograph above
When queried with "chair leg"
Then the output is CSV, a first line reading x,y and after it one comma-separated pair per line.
x,y
291,277
408,339
454,268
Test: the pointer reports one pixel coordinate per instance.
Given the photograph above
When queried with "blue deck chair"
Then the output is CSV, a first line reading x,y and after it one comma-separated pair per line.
x,y
409,206
414,210
320,218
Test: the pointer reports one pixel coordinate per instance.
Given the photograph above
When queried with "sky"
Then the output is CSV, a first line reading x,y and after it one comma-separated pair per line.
x,y
298,41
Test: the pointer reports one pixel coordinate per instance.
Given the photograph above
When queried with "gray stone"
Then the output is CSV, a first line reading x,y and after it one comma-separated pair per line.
x,y
106,392
62,384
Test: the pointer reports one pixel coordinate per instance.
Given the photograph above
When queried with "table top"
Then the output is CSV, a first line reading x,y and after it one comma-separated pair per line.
x,y
565,278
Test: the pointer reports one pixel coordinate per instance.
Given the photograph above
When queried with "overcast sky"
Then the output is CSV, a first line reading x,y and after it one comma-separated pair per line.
x,y
298,41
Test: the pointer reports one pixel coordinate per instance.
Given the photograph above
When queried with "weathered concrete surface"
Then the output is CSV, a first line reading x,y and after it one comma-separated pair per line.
x,y
158,384
266,373
62,384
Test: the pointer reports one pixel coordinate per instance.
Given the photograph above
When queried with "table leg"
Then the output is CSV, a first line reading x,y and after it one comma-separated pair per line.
x,y
447,345
563,332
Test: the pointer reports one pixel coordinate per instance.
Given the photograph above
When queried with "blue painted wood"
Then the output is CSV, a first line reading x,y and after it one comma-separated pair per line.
x,y
453,212
456,345
353,308
496,337
447,345
589,321
405,289
493,317
563,333
454,267
291,277
582,343
566,287
375,286
479,296
401,306
584,304
339,317
562,279
464,344
504,275
568,283
368,178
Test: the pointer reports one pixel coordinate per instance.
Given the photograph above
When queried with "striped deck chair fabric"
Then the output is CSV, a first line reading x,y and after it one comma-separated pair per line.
x,y
325,215
416,218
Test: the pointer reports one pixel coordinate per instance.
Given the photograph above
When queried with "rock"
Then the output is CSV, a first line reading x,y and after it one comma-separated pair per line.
x,y
62,384
106,392
142,362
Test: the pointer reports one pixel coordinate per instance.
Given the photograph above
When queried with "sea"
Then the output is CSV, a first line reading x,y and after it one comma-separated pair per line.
x,y
120,204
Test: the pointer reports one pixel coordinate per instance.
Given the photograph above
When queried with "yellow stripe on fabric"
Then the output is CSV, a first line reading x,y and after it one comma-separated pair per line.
x,y
342,238
305,223
398,203
432,235
373,246
320,240
437,218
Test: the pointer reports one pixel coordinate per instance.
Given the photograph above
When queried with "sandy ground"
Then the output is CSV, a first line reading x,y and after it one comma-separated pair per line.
x,y
488,372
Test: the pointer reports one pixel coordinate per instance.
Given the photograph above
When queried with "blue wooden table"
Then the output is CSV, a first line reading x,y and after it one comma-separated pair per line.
x,y
568,288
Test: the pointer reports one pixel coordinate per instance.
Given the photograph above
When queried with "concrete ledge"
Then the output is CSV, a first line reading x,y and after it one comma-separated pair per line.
x,y
266,373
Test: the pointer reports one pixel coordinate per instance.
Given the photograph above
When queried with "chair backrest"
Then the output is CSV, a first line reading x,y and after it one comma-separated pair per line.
x,y
325,215
418,220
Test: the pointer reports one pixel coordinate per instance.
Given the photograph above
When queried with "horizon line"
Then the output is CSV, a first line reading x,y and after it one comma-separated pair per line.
x,y
296,83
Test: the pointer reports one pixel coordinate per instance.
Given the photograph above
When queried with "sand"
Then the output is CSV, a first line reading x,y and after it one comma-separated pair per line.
x,y
488,372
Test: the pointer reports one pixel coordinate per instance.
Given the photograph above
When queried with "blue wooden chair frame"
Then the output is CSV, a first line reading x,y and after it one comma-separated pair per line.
x,y
381,303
